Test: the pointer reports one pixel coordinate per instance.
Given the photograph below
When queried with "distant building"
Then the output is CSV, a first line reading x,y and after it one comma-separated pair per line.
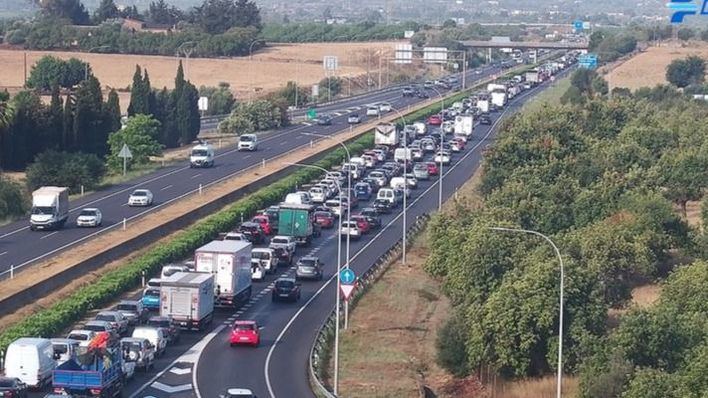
x,y
135,25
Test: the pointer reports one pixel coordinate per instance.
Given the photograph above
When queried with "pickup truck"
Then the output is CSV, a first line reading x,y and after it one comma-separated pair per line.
x,y
284,242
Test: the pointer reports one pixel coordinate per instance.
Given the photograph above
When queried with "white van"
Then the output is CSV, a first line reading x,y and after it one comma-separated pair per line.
x,y
30,360
155,336
202,155
420,128
402,155
318,194
298,198
170,269
352,168
248,142
388,195
398,182
64,349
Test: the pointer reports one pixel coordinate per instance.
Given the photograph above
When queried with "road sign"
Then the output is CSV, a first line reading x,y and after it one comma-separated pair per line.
x,y
588,61
125,152
203,103
435,55
347,290
315,90
403,54
311,113
330,62
347,276
578,26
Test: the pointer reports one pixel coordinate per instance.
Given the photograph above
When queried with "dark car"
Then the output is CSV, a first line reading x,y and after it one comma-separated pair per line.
x,y
382,206
408,91
372,216
284,256
372,183
12,387
422,94
324,120
362,191
325,219
168,326
286,289
485,119
253,232
309,268
134,311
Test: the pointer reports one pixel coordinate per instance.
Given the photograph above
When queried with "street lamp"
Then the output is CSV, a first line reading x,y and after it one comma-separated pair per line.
x,y
559,376
86,66
339,282
442,139
187,53
250,48
405,181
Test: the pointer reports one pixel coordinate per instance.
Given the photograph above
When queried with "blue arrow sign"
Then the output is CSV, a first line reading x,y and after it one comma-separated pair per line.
x,y
346,276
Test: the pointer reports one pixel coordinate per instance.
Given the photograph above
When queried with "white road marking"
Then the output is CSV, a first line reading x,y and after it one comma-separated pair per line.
x,y
167,187
171,389
180,371
3,253
48,235
283,143
247,156
195,176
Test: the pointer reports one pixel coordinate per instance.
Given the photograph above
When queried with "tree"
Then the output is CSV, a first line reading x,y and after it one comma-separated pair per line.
x,y
160,12
67,137
236,125
89,131
106,10
684,174
73,10
22,139
450,345
139,92
55,126
686,72
449,23
112,110
247,15
221,100
140,134
685,34
65,169
5,110
12,199
50,71
216,16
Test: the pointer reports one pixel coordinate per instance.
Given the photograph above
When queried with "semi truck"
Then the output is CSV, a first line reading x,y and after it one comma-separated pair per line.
x,y
230,263
94,371
386,135
50,208
188,298
464,124
296,220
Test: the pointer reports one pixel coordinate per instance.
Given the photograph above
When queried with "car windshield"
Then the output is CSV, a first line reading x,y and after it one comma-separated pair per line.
x,y
285,284
244,327
95,328
308,262
261,255
90,213
78,336
200,152
139,193
60,349
279,240
361,188
321,214
152,293
127,307
42,210
246,138
130,345
105,317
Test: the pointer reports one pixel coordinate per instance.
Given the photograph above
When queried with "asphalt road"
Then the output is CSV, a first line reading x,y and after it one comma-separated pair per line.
x,y
20,247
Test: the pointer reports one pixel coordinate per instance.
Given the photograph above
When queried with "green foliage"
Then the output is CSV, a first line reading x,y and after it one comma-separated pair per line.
x,y
685,33
685,72
584,84
236,125
318,32
218,16
255,116
140,134
139,93
65,169
450,343
160,12
73,10
106,10
294,95
221,99
50,71
12,198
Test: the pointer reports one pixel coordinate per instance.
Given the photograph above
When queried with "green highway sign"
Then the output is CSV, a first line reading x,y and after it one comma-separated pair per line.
x,y
311,113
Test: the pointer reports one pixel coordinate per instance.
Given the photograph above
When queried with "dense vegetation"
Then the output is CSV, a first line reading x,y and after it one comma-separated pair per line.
x,y
318,32
603,179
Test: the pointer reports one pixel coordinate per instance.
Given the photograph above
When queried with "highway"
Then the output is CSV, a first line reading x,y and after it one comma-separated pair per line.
x,y
278,367
20,247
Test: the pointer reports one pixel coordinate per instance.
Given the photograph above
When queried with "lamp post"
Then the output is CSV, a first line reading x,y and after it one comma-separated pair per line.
x,y
442,139
250,48
405,182
86,66
559,376
187,52
339,282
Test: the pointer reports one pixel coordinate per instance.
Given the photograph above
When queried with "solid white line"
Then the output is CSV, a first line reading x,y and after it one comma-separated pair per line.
x,y
3,253
247,156
48,235
283,143
167,187
195,176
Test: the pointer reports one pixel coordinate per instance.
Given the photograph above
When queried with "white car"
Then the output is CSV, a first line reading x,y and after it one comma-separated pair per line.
x,y
354,119
318,194
373,111
89,217
384,107
140,197
267,258
443,157
350,228
448,127
238,393
248,142
257,271
462,137
333,205
84,337
235,236
455,146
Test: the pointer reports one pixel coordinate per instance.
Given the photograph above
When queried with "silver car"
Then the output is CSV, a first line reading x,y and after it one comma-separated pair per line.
x,y
90,217
420,171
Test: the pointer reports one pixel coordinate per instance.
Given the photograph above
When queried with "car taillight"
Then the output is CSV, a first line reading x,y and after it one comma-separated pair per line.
x,y
95,391
7,394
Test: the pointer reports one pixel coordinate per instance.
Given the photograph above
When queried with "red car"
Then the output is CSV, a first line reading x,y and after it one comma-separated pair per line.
x,y
432,168
264,222
435,120
324,219
245,332
460,143
362,223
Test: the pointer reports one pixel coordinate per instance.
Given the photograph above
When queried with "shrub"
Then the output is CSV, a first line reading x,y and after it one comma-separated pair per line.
x,y
450,345
12,200
65,169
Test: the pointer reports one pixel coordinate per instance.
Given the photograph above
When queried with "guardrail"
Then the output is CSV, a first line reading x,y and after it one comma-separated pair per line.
x,y
321,348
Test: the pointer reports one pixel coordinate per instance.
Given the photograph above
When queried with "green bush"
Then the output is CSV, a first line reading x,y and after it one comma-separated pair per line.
x,y
65,169
12,200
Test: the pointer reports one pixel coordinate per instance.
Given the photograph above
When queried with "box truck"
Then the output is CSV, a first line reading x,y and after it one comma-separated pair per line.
x,y
50,208
230,263
464,124
188,298
483,104
499,98
386,135
533,77
296,220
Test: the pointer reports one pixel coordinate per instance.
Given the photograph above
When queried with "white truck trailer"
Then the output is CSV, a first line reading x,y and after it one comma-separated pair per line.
x,y
230,263
386,135
188,298
464,125
50,208
499,98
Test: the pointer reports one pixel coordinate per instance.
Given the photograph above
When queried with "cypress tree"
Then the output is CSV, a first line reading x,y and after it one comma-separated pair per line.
x,y
138,94
90,133
112,112
67,141
55,128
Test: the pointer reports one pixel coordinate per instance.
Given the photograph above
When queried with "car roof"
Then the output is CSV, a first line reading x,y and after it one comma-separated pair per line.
x,y
285,280
245,322
313,258
89,209
237,391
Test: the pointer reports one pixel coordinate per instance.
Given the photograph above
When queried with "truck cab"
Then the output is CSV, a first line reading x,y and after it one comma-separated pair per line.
x,y
202,155
50,208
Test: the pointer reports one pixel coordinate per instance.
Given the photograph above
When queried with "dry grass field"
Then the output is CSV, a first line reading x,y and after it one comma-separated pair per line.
x,y
649,68
268,70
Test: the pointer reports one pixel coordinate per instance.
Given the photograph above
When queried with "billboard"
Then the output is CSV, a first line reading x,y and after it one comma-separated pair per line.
x,y
435,55
330,63
403,54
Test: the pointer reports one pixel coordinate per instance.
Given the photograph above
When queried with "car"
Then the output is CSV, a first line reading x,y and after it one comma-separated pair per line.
x,y
372,217
171,269
422,94
264,222
337,207
417,153
448,127
133,311
309,268
325,219
350,229
266,257
253,232
169,327
428,145
257,270
442,157
245,332
354,118
411,180
373,110
408,91
385,107
380,154
433,168
272,212
379,176
151,298
237,393
286,242
286,289
362,223
324,120
236,236
485,119
89,217
383,206
100,326
12,387
116,319
284,256
138,350
83,336
248,142
369,160
420,171
428,84
140,197
155,335
363,191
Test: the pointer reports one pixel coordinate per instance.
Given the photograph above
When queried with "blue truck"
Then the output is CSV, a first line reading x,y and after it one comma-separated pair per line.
x,y
97,372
